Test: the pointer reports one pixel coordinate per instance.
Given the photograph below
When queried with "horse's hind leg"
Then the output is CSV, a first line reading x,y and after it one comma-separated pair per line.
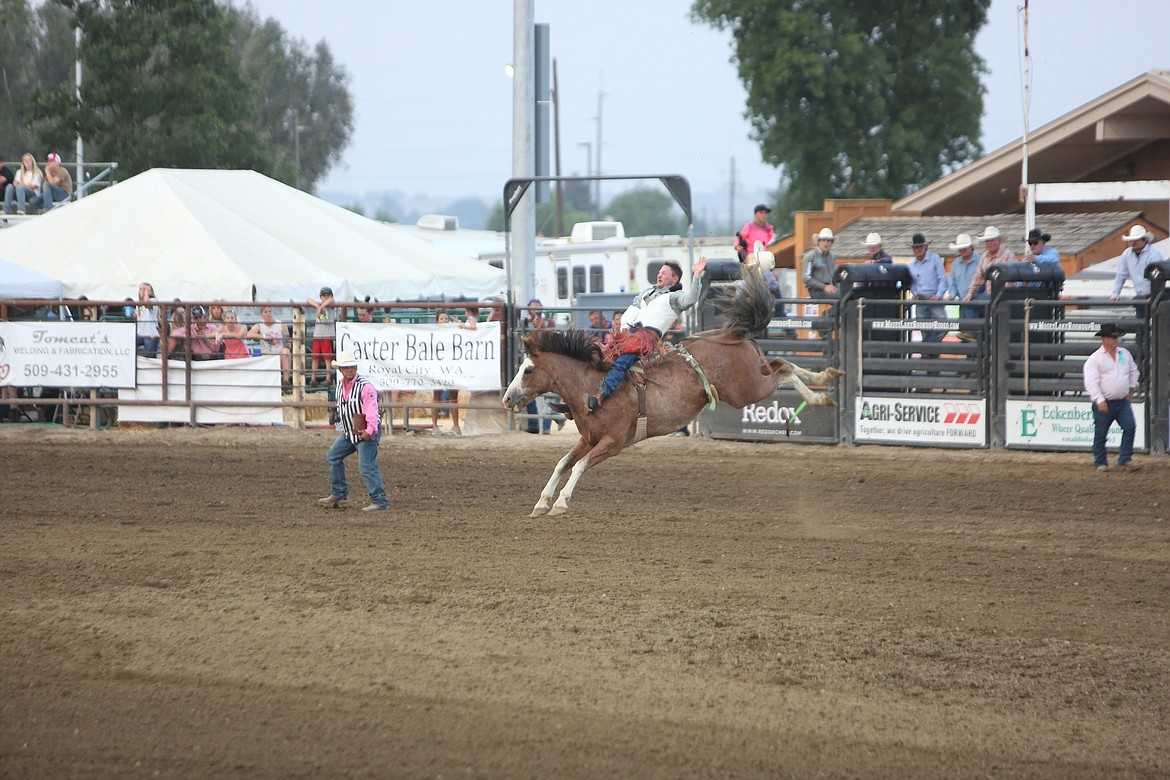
x,y
544,503
550,489
599,453
792,374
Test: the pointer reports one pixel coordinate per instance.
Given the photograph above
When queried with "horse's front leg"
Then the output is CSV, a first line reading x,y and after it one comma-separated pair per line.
x,y
605,448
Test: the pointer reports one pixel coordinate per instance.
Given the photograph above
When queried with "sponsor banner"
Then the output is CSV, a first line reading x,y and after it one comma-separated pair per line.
x,y
67,354
927,421
1050,425
772,419
397,356
1085,327
932,325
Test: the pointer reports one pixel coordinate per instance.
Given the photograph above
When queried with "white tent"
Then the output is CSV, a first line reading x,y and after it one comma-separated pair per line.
x,y
16,281
201,235
1096,281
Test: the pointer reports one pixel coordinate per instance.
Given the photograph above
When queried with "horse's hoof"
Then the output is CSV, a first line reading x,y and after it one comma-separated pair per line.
x,y
558,510
539,511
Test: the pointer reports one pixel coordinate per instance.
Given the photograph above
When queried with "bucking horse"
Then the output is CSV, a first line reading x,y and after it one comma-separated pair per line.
x,y
724,364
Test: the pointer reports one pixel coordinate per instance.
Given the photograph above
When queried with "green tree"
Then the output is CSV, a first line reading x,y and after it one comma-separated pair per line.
x,y
645,211
295,88
36,50
162,87
855,98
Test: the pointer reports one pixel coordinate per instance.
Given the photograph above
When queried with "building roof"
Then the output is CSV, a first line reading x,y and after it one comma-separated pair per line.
x,y
1107,139
1071,233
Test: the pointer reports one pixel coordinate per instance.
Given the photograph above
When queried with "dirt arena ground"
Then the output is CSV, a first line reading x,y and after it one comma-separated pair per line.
x,y
175,605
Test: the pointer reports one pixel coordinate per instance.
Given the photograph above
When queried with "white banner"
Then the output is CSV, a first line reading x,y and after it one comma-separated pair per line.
x,y
67,354
913,421
1063,425
216,385
424,357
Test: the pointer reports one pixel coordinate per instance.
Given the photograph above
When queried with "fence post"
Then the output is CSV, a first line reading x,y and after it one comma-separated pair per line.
x,y
298,366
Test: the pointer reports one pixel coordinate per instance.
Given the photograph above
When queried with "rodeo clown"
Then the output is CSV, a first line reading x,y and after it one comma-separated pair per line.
x,y
652,313
358,431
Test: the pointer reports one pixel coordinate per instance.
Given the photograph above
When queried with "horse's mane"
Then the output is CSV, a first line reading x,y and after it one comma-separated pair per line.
x,y
574,342
747,308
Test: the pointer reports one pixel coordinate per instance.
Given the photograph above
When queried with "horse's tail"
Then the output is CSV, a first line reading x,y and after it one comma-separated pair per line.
x,y
748,307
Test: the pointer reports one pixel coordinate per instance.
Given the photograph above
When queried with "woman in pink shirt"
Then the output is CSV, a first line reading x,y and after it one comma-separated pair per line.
x,y
232,336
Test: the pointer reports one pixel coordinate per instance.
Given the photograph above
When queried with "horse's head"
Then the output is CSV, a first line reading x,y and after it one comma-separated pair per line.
x,y
566,358
530,381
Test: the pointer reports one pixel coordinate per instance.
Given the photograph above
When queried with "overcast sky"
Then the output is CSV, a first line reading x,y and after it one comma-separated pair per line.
x,y
434,106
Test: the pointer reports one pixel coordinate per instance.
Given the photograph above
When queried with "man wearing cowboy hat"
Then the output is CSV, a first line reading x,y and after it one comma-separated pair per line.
x,y
873,243
962,271
994,252
1039,252
819,265
1111,377
358,431
928,282
1134,261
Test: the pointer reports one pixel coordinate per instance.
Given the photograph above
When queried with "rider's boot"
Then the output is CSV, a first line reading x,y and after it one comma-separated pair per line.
x,y
592,402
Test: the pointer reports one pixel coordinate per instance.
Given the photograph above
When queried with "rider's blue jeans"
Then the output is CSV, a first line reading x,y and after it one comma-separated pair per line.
x,y
617,372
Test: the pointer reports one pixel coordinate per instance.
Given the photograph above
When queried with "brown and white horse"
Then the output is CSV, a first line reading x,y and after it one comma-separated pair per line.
x,y
569,363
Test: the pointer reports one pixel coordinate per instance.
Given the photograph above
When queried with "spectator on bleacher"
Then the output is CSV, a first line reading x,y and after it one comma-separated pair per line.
x,y
6,176
443,396
959,280
365,315
471,320
1038,250
58,184
324,331
199,333
757,230
877,254
272,335
178,316
25,190
598,323
1134,261
994,252
928,285
229,337
146,314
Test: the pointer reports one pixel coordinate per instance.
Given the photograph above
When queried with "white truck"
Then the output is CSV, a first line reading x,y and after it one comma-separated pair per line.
x,y
598,257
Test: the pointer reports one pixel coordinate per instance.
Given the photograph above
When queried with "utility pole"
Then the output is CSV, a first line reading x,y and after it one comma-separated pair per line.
x,y
556,106
589,172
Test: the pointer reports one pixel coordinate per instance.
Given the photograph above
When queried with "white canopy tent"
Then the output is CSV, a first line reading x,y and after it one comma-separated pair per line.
x,y
1096,281
16,281
202,235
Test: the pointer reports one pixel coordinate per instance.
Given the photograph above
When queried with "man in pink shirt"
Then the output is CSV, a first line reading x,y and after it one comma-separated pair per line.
x,y
1111,376
199,334
756,230
358,431
994,252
